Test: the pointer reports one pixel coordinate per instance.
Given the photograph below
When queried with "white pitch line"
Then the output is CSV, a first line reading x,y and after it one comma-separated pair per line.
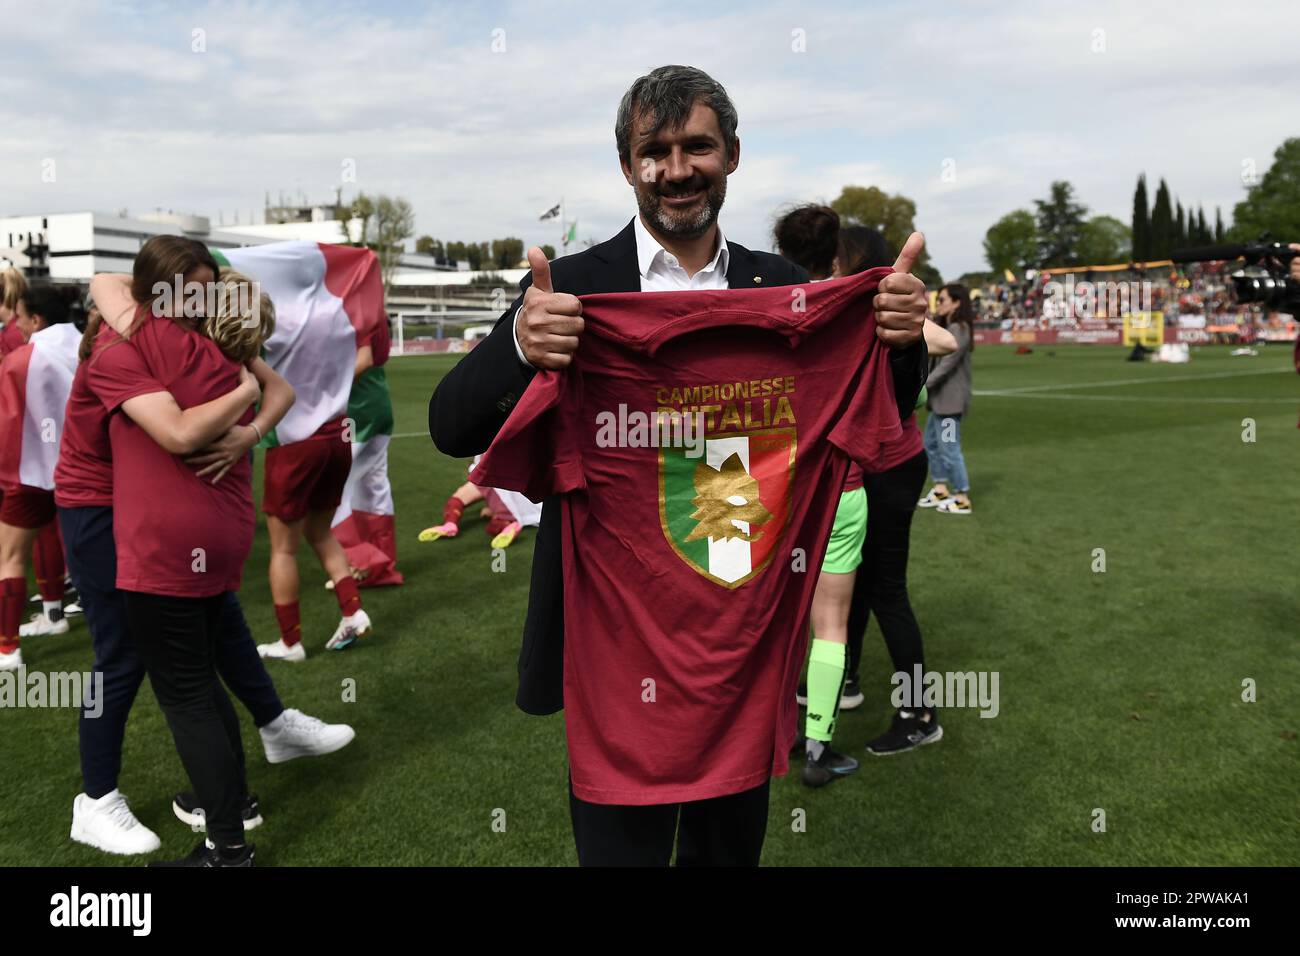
x,y
1027,392
1061,386
1198,400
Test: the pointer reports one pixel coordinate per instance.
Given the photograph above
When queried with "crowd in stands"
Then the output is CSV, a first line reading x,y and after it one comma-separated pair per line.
x,y
1196,295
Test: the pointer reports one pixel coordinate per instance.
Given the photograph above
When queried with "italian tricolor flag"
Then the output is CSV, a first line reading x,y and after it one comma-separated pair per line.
x,y
364,522
35,381
329,302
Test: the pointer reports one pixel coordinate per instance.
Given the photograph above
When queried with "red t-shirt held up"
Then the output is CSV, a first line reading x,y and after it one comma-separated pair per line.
x,y
689,571
177,534
904,448
83,477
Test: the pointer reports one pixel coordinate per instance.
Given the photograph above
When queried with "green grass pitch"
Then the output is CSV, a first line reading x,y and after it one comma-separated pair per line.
x,y
1120,691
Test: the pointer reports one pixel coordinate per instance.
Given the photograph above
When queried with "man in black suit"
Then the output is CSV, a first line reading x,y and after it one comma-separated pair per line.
x,y
677,143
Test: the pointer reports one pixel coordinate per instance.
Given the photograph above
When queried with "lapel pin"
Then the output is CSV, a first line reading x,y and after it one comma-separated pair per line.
x,y
758,280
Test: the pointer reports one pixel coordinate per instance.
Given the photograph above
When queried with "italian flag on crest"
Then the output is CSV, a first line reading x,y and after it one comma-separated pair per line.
x,y
725,512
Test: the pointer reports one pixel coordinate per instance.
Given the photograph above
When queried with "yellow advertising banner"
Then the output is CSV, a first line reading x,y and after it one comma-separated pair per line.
x,y
1144,328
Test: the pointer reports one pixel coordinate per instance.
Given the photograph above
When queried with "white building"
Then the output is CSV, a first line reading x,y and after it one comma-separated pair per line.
x,y
84,243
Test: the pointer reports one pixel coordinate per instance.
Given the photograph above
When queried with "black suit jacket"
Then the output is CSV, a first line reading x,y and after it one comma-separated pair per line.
x,y
472,402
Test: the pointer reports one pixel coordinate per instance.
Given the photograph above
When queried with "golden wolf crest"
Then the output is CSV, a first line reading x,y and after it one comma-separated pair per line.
x,y
723,497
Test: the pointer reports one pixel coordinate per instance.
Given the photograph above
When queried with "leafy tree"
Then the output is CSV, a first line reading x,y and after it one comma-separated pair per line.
x,y
384,225
894,216
1012,242
1104,241
394,224
1272,205
506,253
548,250
1060,225
467,252
361,209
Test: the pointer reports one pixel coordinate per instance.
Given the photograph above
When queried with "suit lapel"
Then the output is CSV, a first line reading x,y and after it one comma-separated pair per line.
x,y
617,269
744,270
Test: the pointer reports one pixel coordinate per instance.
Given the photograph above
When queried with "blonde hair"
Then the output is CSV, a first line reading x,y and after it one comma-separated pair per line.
x,y
243,319
12,287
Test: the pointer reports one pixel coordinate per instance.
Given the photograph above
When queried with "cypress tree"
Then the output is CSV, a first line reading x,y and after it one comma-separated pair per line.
x,y
1141,221
1162,224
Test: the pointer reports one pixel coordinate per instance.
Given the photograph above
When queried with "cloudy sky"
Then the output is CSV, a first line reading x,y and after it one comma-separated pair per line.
x,y
485,114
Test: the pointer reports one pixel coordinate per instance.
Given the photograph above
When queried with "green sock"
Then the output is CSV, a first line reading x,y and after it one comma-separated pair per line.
x,y
825,680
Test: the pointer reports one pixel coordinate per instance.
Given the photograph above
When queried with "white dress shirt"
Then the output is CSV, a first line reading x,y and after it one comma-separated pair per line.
x,y
662,272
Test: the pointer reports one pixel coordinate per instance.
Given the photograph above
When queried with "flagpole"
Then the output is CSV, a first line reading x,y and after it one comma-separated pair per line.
x,y
563,229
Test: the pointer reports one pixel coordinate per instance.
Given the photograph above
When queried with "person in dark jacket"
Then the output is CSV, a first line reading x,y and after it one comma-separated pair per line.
x,y
677,144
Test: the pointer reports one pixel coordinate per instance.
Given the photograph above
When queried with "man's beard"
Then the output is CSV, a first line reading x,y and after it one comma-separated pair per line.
x,y
687,224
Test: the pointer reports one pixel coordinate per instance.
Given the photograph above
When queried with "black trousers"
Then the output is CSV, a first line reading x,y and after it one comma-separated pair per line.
x,y
177,640
881,584
722,831
92,563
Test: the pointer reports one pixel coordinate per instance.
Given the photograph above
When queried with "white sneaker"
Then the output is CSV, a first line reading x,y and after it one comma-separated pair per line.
x,y
108,824
41,626
952,506
295,734
12,660
349,629
280,651
932,500
71,608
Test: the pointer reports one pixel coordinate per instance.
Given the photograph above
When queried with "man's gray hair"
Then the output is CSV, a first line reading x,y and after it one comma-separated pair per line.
x,y
665,97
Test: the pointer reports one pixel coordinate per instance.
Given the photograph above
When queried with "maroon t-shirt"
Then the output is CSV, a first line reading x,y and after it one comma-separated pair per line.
x,y
689,571
904,448
177,534
84,475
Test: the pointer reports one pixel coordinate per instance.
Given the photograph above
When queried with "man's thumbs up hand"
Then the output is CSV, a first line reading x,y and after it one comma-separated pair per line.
x,y
912,250
900,301
542,269
548,324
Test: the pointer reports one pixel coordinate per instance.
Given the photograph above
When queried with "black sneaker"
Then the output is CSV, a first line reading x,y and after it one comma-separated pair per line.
x,y
187,810
205,854
824,769
907,731
850,697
